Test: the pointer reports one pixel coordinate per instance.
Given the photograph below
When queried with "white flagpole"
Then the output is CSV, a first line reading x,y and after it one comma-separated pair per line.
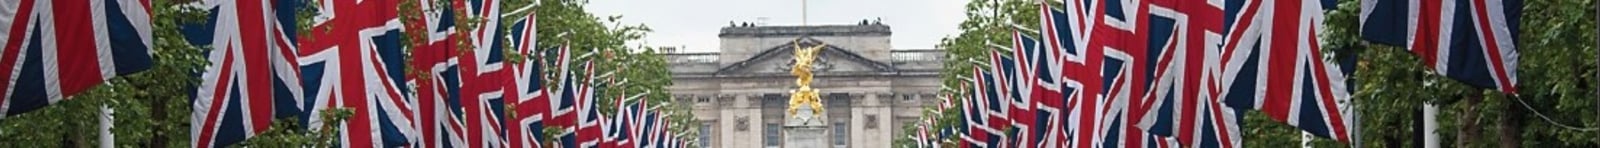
x,y
1430,126
107,140
1305,139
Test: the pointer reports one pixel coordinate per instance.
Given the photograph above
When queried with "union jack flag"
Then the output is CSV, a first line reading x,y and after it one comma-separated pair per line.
x,y
1472,41
564,103
439,93
663,137
357,65
979,128
923,139
1044,115
636,125
647,127
253,77
486,102
1272,62
1045,65
588,131
972,125
994,106
945,102
1020,108
1122,79
621,128
1067,32
58,48
1179,90
465,89
532,103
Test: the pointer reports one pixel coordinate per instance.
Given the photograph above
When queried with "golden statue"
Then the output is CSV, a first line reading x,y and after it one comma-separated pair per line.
x,y
803,57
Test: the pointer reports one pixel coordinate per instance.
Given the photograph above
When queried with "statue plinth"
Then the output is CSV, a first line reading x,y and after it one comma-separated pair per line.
x,y
803,130
804,117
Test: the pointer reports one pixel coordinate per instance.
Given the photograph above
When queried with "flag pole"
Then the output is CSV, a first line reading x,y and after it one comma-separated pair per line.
x,y
107,140
804,15
1430,124
1305,139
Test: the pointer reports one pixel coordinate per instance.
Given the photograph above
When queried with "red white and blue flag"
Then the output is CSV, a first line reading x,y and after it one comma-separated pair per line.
x,y
1180,66
254,75
1273,62
460,98
1067,33
1045,115
978,123
638,122
621,124
1019,107
532,103
357,65
588,132
572,96
1472,41
646,132
483,77
1045,66
971,115
563,102
1122,78
923,138
54,49
994,106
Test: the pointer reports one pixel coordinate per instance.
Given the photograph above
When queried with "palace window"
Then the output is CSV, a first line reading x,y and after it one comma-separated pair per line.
x,y
772,136
705,135
841,135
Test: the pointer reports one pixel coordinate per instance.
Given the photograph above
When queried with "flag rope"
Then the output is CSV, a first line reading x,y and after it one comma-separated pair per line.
x,y
1548,120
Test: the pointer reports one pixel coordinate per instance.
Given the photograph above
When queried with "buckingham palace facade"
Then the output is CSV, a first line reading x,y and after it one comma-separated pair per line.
x,y
870,90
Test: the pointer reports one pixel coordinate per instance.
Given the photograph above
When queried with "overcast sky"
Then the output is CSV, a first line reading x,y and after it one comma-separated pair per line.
x,y
917,24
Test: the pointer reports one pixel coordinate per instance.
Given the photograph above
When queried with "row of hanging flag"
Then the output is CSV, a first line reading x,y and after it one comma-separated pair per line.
x,y
352,59
1177,73
1170,72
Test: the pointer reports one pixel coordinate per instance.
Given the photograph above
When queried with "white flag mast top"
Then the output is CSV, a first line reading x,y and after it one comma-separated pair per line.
x,y
803,13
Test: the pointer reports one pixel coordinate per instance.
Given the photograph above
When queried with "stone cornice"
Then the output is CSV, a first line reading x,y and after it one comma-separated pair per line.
x,y
817,30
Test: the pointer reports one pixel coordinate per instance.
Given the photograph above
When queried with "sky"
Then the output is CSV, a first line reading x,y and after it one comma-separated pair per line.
x,y
694,24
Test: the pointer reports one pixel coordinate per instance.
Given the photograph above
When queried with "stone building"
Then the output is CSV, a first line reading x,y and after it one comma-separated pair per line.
x,y
869,89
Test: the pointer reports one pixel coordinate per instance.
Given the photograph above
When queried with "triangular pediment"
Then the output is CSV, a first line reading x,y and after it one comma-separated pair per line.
x,y
780,58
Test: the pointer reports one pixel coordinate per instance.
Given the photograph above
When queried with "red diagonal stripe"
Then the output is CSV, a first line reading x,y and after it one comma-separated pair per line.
x,y
1325,94
1237,31
1492,46
218,98
13,47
